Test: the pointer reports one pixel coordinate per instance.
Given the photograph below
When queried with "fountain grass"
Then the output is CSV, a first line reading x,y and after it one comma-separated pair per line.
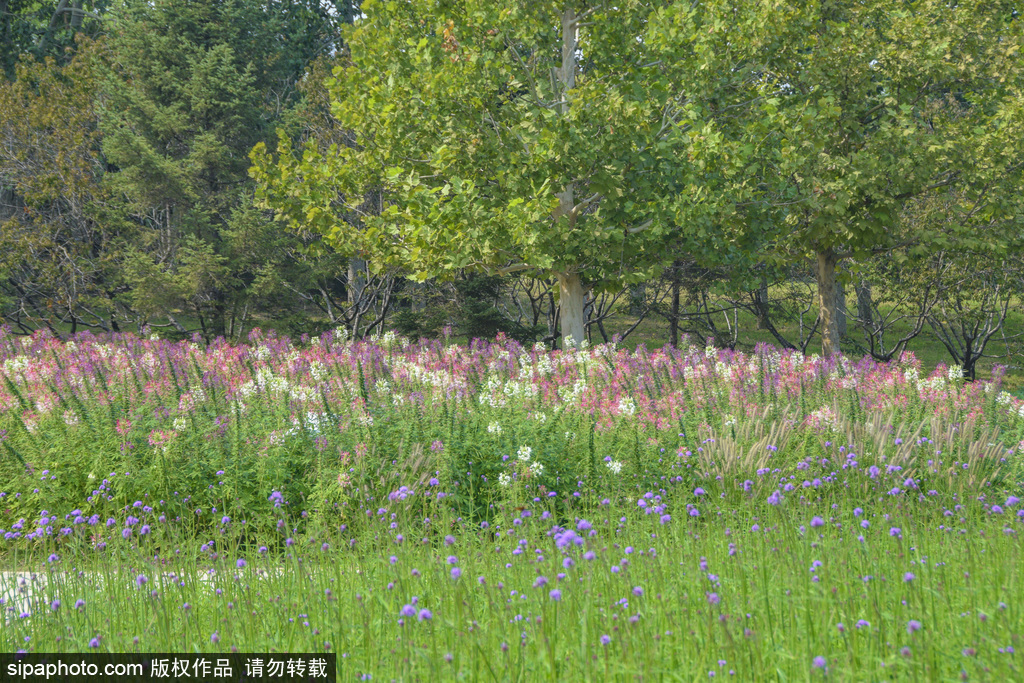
x,y
431,511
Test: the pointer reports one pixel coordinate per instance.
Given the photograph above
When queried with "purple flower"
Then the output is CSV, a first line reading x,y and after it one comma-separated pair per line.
x,y
141,580
913,625
241,563
452,559
908,577
713,598
699,491
425,615
556,595
79,604
95,642
819,663
456,572
605,639
638,591
863,624
816,522
215,638
694,512
895,531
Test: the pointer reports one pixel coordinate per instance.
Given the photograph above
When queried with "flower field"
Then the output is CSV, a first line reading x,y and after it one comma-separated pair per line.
x,y
494,512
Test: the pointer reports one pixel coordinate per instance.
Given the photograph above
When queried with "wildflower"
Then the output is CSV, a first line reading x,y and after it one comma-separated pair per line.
x,y
913,625
555,595
240,564
819,663
425,615
524,453
817,521
861,623
908,577
141,580
456,572
605,639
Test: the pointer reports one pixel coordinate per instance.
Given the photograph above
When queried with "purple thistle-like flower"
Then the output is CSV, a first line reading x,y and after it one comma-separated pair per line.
x,y
55,605
908,577
896,531
665,519
817,521
79,604
699,491
425,615
241,563
456,572
913,625
695,512
141,580
819,663
555,595
94,643
53,558
861,623
407,611
215,638
713,598
452,559
605,639
638,591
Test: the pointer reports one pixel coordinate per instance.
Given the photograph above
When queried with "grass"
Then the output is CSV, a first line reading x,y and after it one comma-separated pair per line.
x,y
434,512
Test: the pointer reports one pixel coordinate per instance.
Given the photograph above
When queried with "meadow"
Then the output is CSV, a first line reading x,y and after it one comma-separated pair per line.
x,y
438,511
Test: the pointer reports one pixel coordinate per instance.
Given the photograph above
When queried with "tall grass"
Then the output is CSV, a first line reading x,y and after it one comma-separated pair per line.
x,y
435,511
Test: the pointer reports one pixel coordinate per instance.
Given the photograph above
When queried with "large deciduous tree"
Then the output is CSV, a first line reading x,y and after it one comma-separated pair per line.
x,y
874,105
524,136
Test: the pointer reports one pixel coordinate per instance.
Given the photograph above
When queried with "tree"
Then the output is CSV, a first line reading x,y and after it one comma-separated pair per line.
x,y
60,241
189,88
527,137
873,106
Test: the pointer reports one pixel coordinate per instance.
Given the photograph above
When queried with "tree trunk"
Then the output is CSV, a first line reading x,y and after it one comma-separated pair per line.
x,y
864,315
673,321
762,304
841,310
356,281
570,303
826,276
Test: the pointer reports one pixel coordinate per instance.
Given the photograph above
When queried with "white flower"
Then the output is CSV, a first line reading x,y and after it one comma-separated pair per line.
x,y
494,428
541,417
539,347
1004,398
504,479
570,343
536,469
729,421
710,351
627,406
955,372
524,453
317,371
179,424
614,465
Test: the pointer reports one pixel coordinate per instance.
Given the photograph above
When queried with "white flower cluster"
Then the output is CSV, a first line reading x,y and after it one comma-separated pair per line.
x,y
180,423
1004,398
614,465
524,453
955,372
317,371
494,428
540,416
627,406
316,423
383,387
16,364
504,479
824,415
570,394
365,419
261,353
